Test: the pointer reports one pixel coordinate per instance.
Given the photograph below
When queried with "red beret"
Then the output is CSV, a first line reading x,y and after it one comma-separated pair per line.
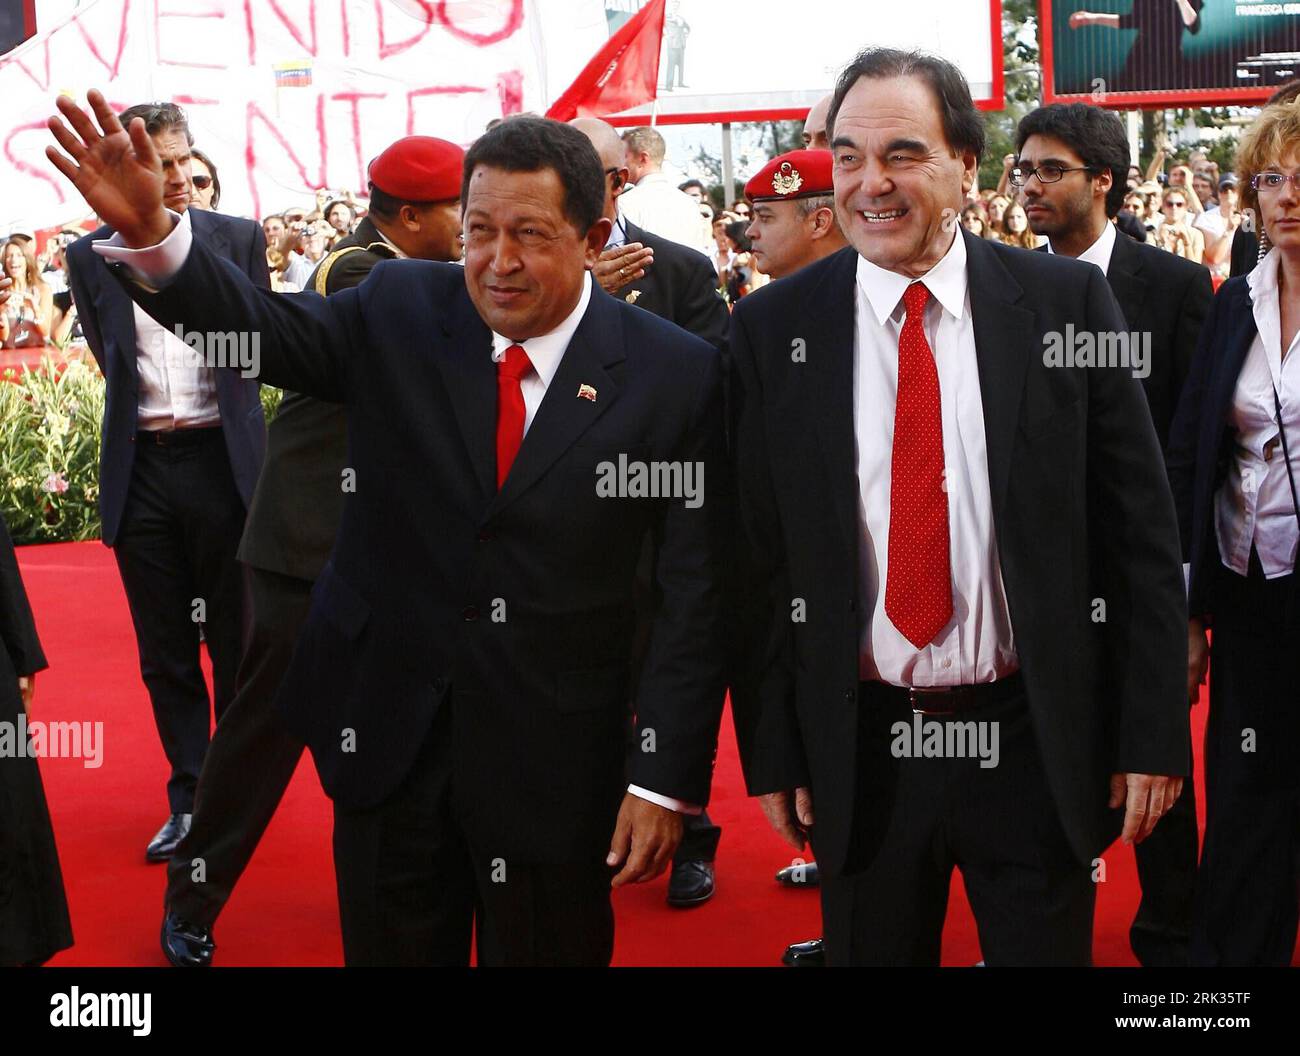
x,y
419,169
798,174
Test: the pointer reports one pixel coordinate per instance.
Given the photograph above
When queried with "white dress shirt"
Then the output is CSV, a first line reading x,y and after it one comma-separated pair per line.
x,y
977,645
1253,505
1099,252
176,390
158,264
660,208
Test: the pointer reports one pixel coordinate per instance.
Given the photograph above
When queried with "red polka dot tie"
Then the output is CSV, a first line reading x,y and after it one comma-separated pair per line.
x,y
510,408
918,586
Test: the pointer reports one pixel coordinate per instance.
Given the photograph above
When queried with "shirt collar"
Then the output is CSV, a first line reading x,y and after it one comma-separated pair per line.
x,y
1262,279
652,177
546,350
618,233
946,282
1099,252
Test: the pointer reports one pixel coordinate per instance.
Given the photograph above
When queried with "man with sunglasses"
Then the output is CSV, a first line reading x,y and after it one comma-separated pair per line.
x,y
1070,161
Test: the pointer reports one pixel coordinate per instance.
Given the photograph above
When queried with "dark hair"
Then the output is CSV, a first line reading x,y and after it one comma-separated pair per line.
x,y
212,169
963,126
692,183
1285,94
158,117
1096,135
736,232
531,144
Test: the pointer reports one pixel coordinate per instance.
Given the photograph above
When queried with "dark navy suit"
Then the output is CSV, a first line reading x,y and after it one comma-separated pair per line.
x,y
173,504
462,679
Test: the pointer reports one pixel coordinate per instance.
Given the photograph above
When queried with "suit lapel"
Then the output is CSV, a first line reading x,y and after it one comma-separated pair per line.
x,y
213,234
1125,278
1005,342
596,345
470,378
830,311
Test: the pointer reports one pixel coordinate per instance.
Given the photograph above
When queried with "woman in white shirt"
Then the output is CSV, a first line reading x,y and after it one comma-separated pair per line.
x,y
1234,464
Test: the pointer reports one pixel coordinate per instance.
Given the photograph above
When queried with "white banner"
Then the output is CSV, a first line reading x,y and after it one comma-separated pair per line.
x,y
285,95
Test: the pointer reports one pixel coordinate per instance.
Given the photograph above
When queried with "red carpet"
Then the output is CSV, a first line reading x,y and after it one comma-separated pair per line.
x,y
284,912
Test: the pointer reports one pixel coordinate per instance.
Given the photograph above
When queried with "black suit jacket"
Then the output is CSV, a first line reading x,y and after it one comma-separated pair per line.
x,y
1168,297
20,648
680,286
108,322
1074,469
293,519
1202,441
513,606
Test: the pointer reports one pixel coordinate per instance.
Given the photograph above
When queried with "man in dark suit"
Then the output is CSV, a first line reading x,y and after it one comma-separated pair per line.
x,y
900,426
1071,164
292,524
678,284
182,447
462,677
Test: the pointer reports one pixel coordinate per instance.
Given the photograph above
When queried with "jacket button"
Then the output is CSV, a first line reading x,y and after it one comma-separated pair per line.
x,y
469,613
850,695
853,604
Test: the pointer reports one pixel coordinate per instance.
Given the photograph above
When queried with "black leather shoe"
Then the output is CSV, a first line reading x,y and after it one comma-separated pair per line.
x,y
186,945
810,954
161,846
691,884
799,876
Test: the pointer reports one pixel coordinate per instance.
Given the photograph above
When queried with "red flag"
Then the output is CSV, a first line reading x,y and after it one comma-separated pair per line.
x,y
623,74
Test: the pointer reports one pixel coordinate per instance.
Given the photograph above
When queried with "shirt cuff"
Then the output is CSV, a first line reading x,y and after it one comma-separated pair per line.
x,y
665,801
1187,578
153,266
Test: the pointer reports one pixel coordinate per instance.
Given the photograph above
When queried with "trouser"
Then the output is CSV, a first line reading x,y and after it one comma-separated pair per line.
x,y
250,761
412,886
1248,886
175,550
1032,899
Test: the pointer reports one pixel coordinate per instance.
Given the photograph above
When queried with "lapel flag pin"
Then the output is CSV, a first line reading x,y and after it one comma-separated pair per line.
x,y
586,392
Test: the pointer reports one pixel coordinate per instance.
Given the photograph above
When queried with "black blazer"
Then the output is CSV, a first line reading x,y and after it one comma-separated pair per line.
x,y
513,607
20,649
109,325
680,286
1201,441
1166,296
1075,470
293,518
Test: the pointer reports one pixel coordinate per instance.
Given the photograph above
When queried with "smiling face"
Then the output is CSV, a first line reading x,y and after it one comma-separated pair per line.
x,y
524,261
13,262
897,183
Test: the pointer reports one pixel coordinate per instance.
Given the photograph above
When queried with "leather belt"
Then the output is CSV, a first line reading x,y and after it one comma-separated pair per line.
x,y
951,700
177,437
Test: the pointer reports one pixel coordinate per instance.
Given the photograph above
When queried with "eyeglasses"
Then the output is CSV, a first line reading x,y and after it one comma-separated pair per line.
x,y
1045,173
202,182
1271,182
1173,205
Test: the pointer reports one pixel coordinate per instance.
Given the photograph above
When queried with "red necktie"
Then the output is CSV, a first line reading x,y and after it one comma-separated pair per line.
x,y
510,408
918,586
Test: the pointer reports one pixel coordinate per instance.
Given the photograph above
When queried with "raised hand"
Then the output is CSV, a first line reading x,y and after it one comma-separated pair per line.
x,y
116,170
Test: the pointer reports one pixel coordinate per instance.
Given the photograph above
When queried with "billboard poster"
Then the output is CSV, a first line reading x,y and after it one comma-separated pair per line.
x,y
1131,53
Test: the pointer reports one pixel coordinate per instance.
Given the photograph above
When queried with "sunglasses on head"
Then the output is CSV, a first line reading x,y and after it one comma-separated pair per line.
x,y
202,182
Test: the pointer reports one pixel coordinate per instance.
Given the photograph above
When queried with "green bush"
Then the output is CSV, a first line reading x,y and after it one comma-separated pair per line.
x,y
49,452
50,427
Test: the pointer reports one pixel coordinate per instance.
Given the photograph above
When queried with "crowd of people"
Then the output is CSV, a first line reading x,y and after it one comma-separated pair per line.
x,y
917,512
